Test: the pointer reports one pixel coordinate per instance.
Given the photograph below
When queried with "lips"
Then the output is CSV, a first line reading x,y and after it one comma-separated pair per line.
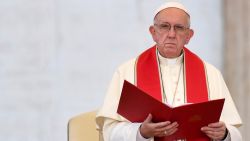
x,y
170,44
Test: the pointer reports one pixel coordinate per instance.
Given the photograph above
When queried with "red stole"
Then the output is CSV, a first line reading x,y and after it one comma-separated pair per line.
x,y
148,77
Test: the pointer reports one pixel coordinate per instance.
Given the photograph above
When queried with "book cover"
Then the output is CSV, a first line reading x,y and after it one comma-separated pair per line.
x,y
135,105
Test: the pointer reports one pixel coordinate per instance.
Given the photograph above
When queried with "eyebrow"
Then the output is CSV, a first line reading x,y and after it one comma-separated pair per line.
x,y
157,20
165,22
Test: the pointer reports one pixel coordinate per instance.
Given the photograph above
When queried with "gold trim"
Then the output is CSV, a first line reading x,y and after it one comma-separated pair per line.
x,y
135,71
208,90
184,77
163,94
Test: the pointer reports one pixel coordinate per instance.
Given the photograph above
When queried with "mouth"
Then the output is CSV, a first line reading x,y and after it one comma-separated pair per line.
x,y
172,44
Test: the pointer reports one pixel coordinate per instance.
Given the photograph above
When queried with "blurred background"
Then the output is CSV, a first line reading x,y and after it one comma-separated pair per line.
x,y
57,57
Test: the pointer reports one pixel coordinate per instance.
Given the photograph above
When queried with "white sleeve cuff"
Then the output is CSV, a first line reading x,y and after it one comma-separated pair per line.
x,y
125,131
233,134
139,137
228,137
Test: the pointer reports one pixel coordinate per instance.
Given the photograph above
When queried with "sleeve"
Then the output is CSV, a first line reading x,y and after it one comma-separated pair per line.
x,y
122,131
233,134
229,115
112,126
109,108
141,138
228,138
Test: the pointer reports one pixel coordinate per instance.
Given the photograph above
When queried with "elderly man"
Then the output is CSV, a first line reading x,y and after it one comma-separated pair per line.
x,y
171,73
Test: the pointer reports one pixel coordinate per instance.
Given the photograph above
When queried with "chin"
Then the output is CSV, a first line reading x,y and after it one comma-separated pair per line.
x,y
171,53
170,49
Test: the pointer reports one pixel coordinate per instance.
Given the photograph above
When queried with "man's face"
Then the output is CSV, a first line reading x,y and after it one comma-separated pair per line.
x,y
171,31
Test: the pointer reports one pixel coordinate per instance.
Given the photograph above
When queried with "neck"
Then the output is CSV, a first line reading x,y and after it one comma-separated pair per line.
x,y
170,56
170,61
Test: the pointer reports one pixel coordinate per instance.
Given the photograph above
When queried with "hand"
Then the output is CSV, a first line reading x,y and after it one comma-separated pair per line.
x,y
215,131
149,129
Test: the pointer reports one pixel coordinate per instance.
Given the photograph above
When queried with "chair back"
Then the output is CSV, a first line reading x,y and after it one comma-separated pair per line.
x,y
83,127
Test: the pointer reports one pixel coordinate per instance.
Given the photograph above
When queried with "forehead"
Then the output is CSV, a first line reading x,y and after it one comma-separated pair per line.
x,y
172,15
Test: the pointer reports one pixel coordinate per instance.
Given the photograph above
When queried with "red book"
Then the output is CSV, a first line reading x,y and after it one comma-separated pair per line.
x,y
135,105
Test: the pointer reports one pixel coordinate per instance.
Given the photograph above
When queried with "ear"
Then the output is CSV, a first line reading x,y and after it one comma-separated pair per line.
x,y
152,32
189,36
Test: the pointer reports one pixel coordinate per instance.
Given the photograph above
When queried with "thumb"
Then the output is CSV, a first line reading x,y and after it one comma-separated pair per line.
x,y
149,118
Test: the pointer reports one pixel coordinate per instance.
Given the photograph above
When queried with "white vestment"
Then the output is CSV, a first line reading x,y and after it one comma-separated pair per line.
x,y
113,127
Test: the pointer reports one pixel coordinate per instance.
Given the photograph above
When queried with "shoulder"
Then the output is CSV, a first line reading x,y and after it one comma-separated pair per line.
x,y
211,69
125,71
214,75
127,66
215,78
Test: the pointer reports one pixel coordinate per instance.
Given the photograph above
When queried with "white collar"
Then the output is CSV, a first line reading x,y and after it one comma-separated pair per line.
x,y
170,61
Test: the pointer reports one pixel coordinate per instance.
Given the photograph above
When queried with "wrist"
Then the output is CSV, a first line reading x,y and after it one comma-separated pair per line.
x,y
142,132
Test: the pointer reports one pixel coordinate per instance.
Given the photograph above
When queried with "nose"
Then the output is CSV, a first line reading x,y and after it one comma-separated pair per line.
x,y
171,33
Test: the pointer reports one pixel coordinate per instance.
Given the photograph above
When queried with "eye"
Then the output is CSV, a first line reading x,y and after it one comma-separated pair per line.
x,y
165,26
179,27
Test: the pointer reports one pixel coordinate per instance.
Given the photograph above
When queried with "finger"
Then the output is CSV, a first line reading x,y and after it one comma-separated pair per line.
x,y
215,134
169,127
148,119
216,125
166,132
219,126
173,125
161,134
204,129
162,124
172,131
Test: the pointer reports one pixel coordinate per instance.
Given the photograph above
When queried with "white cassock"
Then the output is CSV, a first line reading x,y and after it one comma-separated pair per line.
x,y
113,127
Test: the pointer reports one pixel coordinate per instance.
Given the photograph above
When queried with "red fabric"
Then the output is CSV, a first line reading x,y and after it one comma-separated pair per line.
x,y
196,83
148,78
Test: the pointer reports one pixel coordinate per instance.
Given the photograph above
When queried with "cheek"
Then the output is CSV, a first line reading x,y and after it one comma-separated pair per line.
x,y
182,41
161,38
